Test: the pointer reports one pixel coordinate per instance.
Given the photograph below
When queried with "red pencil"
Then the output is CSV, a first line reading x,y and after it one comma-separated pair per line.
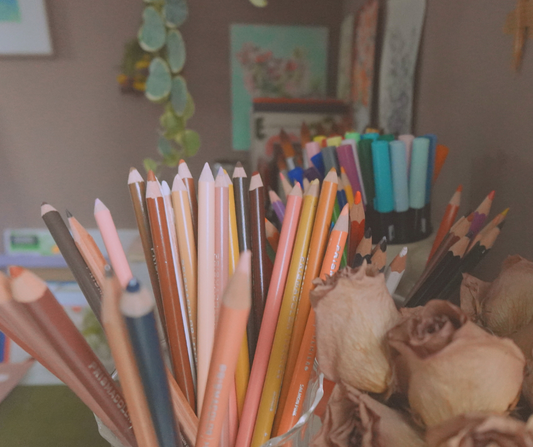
x,y
357,225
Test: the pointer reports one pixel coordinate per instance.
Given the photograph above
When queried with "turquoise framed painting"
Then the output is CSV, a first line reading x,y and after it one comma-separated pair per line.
x,y
275,62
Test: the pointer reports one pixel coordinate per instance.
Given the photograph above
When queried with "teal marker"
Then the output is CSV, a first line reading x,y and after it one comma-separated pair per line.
x,y
370,136
400,182
384,203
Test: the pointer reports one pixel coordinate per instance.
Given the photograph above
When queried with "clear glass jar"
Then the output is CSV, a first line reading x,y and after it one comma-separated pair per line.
x,y
309,424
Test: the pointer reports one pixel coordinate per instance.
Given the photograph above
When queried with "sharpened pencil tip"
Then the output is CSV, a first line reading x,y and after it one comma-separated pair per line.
x,y
368,232
460,188
505,211
357,199
345,210
133,286
404,252
44,203
238,164
383,244
108,270
69,214
151,176
492,194
15,271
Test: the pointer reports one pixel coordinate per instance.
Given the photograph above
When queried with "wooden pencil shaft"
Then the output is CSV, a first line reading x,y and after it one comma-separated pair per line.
x,y
74,260
138,199
242,210
52,319
221,244
145,343
171,301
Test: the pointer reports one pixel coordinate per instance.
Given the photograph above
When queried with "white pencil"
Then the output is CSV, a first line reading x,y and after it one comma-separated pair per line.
x,y
206,278
395,271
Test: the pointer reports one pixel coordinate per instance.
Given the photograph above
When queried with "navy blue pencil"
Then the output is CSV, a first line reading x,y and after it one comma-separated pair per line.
x,y
137,307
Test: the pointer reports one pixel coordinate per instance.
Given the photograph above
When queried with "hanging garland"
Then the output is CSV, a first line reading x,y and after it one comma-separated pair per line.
x,y
153,64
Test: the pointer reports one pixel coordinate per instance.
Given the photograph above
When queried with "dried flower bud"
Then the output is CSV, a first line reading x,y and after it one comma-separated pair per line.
x,y
447,365
354,311
505,305
481,430
354,419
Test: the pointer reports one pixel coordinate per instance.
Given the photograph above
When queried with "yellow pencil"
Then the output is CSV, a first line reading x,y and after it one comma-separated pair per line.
x,y
282,337
187,249
242,372
347,186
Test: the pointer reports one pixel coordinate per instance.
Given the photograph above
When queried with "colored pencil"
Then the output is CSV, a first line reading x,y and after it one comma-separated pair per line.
x,y
347,187
311,149
183,297
187,251
395,271
364,151
88,249
272,307
305,134
221,238
230,331
137,307
112,243
122,351
37,300
18,325
348,163
188,180
206,278
357,225
289,304
481,213
317,247
285,184
59,231
179,353
447,220
272,234
363,250
260,262
292,409
305,185
492,224
329,158
185,418
379,255
441,154
242,206
137,188
352,139
341,194
277,205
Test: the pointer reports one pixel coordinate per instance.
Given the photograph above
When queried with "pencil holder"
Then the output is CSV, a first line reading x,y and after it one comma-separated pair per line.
x,y
309,424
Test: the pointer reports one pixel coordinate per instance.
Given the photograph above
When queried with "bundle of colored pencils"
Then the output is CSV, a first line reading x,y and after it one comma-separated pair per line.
x,y
230,301
394,176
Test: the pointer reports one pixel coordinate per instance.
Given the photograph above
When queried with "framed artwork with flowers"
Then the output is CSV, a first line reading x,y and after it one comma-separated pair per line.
x,y
274,62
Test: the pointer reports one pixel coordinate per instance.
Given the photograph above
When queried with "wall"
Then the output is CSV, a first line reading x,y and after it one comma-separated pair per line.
x,y
469,96
68,136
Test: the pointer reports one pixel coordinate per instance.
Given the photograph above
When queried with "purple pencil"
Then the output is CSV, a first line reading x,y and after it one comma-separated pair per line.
x,y
347,161
277,204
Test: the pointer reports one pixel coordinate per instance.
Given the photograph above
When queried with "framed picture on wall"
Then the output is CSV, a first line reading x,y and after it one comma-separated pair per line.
x,y
24,28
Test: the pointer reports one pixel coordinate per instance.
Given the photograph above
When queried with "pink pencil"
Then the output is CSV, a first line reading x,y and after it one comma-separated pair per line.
x,y
206,278
270,317
114,248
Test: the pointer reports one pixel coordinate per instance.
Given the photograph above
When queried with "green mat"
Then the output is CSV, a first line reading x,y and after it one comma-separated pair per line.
x,y
47,416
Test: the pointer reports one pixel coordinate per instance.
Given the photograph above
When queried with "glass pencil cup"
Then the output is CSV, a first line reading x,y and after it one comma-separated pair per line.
x,y
309,424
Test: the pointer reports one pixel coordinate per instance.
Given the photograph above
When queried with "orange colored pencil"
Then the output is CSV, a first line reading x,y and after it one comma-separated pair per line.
x,y
292,410
169,288
272,234
441,153
447,220
270,317
230,331
188,180
317,247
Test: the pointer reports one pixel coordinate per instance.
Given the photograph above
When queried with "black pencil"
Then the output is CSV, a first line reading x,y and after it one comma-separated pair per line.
x,y
138,306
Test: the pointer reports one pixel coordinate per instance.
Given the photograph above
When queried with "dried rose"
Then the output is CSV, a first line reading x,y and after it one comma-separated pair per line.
x,y
481,430
505,305
447,365
354,419
354,311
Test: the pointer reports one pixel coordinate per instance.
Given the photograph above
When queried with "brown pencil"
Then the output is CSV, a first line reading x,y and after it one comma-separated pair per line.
x,y
137,188
379,255
32,292
169,288
188,180
357,225
185,416
89,250
59,231
260,269
20,327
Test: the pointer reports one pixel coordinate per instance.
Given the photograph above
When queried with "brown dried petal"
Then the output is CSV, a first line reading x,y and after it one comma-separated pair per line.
x,y
480,430
354,419
354,311
473,292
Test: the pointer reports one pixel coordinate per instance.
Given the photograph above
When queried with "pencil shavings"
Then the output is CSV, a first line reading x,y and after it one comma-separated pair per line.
x,y
354,311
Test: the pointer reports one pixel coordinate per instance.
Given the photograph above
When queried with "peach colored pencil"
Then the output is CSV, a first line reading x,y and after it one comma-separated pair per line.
x,y
89,250
230,331
114,248
185,417
285,184
128,373
206,277
187,250
270,317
